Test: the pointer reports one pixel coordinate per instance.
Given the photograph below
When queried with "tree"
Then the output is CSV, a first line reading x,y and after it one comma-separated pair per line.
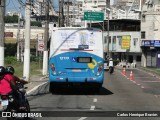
x,y
11,19
36,23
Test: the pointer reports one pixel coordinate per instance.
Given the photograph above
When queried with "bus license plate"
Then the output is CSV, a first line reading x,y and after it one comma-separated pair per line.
x,y
4,102
76,70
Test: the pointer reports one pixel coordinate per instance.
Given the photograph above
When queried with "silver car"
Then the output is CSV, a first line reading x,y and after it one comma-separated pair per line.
x,y
106,65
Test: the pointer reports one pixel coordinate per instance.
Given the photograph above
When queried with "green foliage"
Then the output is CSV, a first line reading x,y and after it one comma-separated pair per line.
x,y
10,49
34,58
11,19
36,23
10,60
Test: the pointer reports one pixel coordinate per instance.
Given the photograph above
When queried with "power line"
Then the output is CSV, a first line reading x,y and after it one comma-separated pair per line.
x,y
7,3
14,5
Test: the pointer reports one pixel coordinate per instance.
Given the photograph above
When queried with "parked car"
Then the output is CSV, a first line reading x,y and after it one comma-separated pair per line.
x,y
106,65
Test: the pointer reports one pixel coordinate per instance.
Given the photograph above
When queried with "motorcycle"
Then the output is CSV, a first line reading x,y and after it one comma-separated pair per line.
x,y
111,70
9,104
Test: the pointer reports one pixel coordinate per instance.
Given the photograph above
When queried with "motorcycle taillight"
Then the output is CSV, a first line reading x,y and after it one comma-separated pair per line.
x,y
4,97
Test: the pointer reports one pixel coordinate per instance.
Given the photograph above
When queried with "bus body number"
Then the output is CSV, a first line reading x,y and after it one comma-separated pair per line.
x,y
64,58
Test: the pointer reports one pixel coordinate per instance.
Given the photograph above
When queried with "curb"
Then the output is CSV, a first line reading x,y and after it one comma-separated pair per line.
x,y
37,86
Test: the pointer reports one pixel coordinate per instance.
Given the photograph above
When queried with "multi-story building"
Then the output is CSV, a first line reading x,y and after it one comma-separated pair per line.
x,y
38,12
150,37
39,8
125,9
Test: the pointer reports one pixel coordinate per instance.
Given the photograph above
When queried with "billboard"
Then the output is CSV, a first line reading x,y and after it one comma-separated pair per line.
x,y
8,34
126,42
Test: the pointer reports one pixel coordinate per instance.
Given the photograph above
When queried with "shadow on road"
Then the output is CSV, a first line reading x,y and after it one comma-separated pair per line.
x,y
44,89
82,91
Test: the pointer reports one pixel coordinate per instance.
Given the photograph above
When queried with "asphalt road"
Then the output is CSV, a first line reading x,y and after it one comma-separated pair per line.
x,y
118,95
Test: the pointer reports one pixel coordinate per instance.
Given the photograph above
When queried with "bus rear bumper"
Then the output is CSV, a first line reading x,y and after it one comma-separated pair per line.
x,y
77,79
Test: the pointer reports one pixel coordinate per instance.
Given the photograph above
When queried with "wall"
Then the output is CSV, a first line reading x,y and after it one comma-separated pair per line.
x,y
133,35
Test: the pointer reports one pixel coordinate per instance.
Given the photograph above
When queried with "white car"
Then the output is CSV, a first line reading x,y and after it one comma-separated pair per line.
x,y
106,65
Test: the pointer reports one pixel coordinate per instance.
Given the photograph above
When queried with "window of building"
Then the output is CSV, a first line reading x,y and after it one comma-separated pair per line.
x,y
109,39
114,39
143,36
105,39
135,41
143,18
138,58
119,38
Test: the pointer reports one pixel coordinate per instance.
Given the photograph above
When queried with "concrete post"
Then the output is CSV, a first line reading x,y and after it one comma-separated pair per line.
x,y
26,68
2,11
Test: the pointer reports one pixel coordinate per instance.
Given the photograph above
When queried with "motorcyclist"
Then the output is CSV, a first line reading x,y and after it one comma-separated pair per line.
x,y
9,72
111,67
5,87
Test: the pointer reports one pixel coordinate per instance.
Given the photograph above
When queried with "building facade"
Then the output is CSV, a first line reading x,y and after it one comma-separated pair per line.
x,y
124,46
150,33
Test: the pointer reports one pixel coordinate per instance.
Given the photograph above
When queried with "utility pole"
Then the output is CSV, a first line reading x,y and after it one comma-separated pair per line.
x,y
108,38
68,13
61,14
26,68
2,12
46,38
18,40
108,53
22,48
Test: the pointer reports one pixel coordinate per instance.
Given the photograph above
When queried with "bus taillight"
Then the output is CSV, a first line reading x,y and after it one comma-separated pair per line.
x,y
52,67
100,67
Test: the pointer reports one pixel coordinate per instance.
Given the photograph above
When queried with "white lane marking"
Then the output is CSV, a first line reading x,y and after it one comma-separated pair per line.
x,y
151,81
95,100
133,81
92,107
138,84
82,118
157,96
142,87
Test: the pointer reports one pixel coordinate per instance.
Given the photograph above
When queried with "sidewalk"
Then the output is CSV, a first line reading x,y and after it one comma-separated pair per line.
x,y
35,81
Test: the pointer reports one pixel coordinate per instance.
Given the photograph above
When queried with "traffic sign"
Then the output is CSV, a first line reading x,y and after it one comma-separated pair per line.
x,y
94,16
40,45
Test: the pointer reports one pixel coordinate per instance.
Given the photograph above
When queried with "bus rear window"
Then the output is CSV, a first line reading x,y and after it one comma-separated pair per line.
x,y
84,59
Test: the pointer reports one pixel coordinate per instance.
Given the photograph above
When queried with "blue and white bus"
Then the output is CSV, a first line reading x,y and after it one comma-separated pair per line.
x,y
76,57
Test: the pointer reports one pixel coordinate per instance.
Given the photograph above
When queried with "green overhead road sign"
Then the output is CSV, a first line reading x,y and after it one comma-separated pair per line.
x,y
94,16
